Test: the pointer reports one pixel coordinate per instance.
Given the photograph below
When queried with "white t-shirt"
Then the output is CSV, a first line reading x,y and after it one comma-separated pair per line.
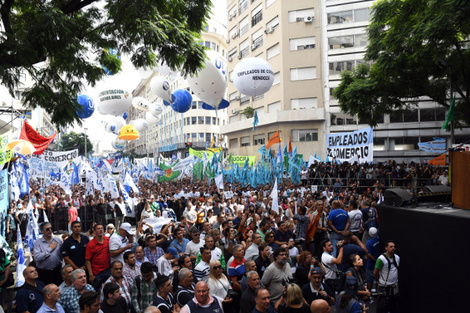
x,y
193,248
164,267
117,242
330,268
355,218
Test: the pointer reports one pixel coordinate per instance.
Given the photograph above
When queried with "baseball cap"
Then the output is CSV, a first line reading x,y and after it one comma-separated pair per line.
x,y
126,227
110,226
316,270
373,232
351,285
172,251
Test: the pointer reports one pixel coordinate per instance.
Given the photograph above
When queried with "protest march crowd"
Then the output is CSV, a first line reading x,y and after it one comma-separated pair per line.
x,y
187,246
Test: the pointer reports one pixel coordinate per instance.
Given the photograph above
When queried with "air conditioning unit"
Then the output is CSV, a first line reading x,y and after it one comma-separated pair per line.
x,y
299,19
254,46
269,30
309,19
236,98
234,111
235,34
228,40
229,59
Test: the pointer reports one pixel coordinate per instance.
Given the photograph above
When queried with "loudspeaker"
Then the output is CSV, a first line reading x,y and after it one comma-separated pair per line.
x,y
437,188
396,197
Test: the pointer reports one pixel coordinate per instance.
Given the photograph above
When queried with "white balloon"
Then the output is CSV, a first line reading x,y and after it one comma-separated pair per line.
x,y
119,122
141,104
151,119
110,127
253,76
209,83
161,87
155,108
114,101
140,124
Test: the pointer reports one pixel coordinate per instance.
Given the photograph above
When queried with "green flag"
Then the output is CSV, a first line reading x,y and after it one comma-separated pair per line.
x,y
450,115
169,173
197,170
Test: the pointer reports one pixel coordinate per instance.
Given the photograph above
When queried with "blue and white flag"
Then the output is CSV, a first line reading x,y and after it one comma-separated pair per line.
x,y
112,186
275,197
255,120
32,231
219,181
14,187
23,179
20,259
129,183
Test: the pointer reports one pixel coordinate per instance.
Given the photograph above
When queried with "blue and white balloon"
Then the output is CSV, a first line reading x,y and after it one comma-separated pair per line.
x,y
155,108
141,104
209,83
88,106
118,144
161,87
181,100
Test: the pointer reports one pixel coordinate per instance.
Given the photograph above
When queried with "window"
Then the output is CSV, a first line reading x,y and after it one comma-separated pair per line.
x,y
193,120
233,143
244,49
303,73
410,116
244,25
233,96
259,140
233,119
358,15
257,39
244,99
272,24
194,136
243,5
350,41
208,137
245,141
303,135
199,104
426,115
302,43
274,107
379,144
194,105
207,44
338,67
213,121
272,133
362,15
303,103
256,15
273,51
232,54
188,121
269,2
258,97
201,136
200,120
208,120
300,15
233,32
232,12
277,78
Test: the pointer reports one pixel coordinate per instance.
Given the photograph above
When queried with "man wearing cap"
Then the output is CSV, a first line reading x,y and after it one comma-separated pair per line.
x,y
164,266
353,305
373,248
120,242
316,289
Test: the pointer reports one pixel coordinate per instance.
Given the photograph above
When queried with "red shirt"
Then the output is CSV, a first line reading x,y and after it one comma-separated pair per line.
x,y
98,254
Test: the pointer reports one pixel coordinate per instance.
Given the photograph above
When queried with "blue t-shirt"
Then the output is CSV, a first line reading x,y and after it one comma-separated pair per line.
x,y
373,246
29,298
369,218
339,218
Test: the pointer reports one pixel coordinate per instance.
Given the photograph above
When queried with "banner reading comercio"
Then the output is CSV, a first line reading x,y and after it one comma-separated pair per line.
x,y
355,146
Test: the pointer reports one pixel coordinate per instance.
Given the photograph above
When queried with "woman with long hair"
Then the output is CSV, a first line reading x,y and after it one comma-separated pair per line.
x,y
357,270
219,285
292,301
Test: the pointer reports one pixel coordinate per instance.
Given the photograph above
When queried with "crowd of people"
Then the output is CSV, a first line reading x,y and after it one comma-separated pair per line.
x,y
223,249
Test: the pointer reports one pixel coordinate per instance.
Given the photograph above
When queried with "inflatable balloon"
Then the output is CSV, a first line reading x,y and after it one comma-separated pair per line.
x,y
128,132
111,127
222,105
118,144
125,115
253,76
114,101
181,100
161,87
210,82
120,122
152,119
141,104
140,124
87,104
155,108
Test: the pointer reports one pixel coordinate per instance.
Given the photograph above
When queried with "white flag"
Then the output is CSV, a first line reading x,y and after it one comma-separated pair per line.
x,y
21,260
32,230
274,196
219,181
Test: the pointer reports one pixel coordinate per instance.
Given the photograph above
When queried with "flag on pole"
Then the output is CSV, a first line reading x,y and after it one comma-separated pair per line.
x,y
274,196
32,230
290,146
21,260
219,181
255,120
46,220
275,138
14,187
450,115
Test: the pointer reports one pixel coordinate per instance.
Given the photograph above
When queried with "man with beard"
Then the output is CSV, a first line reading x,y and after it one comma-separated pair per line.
x,y
276,273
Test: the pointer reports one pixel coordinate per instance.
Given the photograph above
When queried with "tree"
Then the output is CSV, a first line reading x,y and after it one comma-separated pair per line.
x,y
73,141
64,43
416,48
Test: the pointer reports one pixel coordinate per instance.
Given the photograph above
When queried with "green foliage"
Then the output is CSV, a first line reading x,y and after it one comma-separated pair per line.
x,y
72,140
63,43
248,112
416,48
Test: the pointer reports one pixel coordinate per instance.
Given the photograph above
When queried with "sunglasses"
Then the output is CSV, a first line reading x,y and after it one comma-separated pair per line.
x,y
195,235
217,267
48,229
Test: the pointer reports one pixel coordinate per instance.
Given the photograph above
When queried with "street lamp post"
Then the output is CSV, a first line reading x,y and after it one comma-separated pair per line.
x,y
85,143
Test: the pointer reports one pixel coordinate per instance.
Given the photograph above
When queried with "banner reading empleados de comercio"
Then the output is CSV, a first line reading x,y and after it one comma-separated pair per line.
x,y
51,161
351,147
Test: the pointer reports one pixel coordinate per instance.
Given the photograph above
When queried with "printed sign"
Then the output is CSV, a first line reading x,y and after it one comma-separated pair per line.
x,y
357,146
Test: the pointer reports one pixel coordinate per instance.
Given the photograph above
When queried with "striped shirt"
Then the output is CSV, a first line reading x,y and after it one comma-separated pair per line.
x,y
201,271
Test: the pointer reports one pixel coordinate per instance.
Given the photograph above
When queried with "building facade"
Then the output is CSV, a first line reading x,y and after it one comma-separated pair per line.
x,y
288,35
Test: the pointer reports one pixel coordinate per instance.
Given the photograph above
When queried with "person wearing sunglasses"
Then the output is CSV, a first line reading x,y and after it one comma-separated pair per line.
x,y
219,285
48,256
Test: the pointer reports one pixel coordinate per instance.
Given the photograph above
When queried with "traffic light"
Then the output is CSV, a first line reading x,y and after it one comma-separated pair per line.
x,y
189,145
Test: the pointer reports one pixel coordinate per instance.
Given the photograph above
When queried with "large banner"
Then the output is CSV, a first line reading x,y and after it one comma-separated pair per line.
x,y
200,153
5,155
357,146
240,159
3,200
51,161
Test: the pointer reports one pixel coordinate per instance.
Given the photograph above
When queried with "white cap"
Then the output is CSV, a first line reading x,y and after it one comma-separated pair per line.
x,y
126,227
373,232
